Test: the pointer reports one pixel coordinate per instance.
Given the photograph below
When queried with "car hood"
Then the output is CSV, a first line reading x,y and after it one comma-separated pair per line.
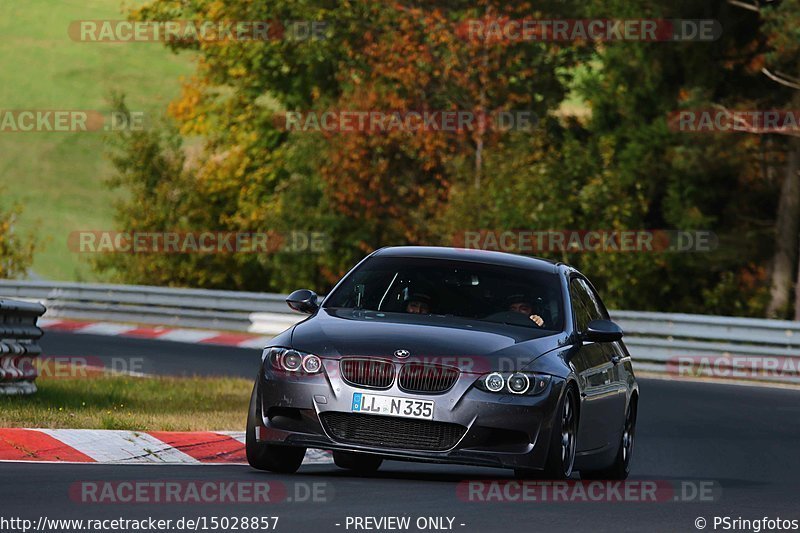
x,y
471,345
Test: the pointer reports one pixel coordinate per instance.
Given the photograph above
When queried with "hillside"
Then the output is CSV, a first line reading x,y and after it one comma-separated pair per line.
x,y
59,176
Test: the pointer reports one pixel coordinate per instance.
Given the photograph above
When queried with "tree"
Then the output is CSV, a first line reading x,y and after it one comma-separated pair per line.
x,y
604,155
641,174
16,253
366,190
783,42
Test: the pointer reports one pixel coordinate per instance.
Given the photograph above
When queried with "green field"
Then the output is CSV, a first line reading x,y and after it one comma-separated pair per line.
x,y
60,177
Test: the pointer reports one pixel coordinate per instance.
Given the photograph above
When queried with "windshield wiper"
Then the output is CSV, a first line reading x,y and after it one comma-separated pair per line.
x,y
511,324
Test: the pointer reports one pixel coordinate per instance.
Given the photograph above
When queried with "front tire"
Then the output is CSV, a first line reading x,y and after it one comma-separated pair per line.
x,y
357,462
563,442
269,457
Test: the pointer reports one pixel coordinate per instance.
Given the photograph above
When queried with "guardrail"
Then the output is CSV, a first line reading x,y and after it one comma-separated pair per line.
x,y
19,345
683,345
193,308
666,343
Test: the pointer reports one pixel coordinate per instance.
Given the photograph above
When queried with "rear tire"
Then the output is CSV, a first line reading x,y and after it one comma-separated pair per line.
x,y
621,466
269,457
357,462
563,442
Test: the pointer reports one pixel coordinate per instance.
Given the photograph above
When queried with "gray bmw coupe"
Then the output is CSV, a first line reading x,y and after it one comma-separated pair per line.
x,y
451,356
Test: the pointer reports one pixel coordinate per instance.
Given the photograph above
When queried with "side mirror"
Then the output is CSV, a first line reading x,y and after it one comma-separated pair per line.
x,y
303,301
603,331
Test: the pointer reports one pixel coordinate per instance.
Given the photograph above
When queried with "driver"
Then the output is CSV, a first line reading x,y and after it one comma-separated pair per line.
x,y
419,304
519,303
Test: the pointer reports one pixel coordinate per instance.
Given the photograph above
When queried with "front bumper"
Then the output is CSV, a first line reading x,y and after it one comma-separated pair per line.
x,y
500,430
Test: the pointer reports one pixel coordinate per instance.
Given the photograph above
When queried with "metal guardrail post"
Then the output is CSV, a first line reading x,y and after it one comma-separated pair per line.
x,y
19,346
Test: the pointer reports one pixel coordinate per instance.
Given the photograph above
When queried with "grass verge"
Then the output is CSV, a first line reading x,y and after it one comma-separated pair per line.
x,y
122,402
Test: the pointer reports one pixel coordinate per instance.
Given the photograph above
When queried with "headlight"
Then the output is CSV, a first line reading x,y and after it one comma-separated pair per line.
x,y
312,364
513,382
494,382
519,383
291,361
288,360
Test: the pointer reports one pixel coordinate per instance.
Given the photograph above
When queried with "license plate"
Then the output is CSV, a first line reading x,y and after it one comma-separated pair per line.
x,y
392,406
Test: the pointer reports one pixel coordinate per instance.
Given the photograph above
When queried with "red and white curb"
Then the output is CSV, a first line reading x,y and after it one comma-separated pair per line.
x,y
192,336
130,447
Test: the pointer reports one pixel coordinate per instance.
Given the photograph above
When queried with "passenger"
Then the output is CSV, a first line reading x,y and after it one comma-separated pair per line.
x,y
519,303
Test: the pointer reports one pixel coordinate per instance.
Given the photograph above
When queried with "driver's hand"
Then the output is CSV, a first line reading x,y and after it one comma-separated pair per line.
x,y
539,321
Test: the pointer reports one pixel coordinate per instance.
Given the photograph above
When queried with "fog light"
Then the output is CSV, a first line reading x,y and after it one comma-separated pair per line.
x,y
494,382
292,361
311,364
518,383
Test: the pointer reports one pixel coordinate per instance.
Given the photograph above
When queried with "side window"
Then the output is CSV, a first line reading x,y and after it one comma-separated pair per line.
x,y
596,308
579,309
586,304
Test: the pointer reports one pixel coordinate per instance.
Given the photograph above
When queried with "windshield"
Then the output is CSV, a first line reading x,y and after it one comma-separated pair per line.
x,y
469,290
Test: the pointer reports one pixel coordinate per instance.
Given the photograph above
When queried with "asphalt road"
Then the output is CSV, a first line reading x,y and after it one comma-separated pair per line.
x,y
731,450
153,356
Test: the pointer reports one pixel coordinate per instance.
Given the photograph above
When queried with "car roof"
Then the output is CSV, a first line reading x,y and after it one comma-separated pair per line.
x,y
472,255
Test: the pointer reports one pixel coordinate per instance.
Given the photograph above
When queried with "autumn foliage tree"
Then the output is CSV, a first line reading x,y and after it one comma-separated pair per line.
x,y
432,59
602,154
245,172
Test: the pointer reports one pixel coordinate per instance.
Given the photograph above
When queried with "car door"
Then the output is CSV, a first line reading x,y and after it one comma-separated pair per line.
x,y
617,373
595,371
